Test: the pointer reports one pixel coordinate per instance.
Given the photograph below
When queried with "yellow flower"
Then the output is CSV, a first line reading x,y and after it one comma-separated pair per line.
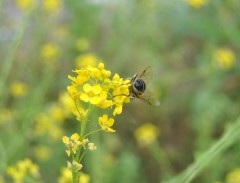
x,y
92,94
66,176
71,143
82,45
42,153
224,58
26,4
197,3
87,60
77,166
234,176
57,113
52,5
22,169
80,113
75,137
18,89
85,142
50,52
146,134
106,123
92,147
94,86
84,178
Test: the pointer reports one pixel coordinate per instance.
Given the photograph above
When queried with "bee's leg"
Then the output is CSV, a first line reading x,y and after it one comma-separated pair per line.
x,y
132,96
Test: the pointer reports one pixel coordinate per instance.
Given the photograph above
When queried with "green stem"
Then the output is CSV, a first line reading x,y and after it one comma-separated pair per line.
x,y
74,176
82,132
227,139
84,122
80,159
98,130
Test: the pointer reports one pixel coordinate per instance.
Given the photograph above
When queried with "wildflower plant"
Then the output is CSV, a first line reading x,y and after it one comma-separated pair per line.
x,y
23,170
93,88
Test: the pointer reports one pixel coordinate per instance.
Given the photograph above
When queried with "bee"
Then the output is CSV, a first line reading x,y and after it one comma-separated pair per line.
x,y
140,89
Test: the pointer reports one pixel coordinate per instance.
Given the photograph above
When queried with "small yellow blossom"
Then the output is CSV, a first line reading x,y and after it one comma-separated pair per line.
x,y
18,89
25,4
80,113
71,143
66,176
87,60
234,176
85,142
77,166
57,113
84,178
42,153
197,3
224,58
92,147
74,166
50,52
146,134
52,5
106,123
22,169
83,45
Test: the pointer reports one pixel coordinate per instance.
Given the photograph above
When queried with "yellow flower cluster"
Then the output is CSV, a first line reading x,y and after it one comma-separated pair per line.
x,y
146,134
94,86
72,143
22,169
197,3
224,58
74,166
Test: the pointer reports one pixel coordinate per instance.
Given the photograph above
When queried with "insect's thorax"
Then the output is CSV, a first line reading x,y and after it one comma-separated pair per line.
x,y
139,86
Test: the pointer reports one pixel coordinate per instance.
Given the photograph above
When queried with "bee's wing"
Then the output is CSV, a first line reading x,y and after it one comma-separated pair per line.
x,y
148,95
150,98
146,74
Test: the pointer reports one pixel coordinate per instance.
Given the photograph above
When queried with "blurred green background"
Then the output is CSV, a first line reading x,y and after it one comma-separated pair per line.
x,y
193,47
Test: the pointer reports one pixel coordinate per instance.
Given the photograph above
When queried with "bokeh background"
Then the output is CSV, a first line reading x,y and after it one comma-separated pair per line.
x,y
193,47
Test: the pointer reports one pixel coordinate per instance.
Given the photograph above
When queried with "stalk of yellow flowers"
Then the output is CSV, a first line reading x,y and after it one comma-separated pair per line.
x,y
93,87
